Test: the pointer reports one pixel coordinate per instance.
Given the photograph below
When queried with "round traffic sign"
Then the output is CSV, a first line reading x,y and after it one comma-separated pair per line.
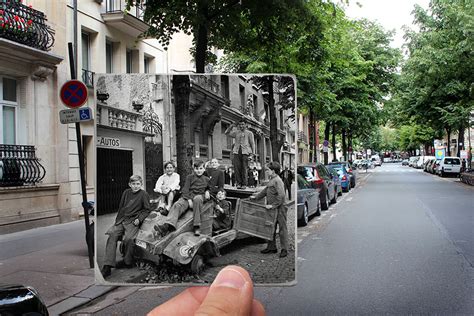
x,y
73,94
326,143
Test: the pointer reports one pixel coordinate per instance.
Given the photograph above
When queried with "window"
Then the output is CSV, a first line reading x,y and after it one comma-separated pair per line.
x,y
225,86
85,51
146,64
129,61
108,57
8,110
255,106
242,97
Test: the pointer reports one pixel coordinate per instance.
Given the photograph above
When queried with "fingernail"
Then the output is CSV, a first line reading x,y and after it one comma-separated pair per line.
x,y
230,278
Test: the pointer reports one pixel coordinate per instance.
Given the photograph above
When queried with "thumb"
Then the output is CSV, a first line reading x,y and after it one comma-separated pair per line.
x,y
231,293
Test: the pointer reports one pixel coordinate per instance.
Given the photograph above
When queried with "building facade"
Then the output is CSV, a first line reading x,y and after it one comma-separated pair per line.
x,y
39,169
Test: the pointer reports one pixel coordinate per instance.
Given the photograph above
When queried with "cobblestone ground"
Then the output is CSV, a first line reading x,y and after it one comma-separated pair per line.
x,y
264,268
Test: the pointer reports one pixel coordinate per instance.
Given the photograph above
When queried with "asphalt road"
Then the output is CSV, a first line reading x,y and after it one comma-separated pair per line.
x,y
401,242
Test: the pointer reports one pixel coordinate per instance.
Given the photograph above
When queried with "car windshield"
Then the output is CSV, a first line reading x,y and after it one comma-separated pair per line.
x,y
306,172
452,161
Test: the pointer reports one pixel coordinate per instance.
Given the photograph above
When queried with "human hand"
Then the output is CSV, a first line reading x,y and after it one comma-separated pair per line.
x,y
252,197
207,195
190,203
231,293
136,222
268,207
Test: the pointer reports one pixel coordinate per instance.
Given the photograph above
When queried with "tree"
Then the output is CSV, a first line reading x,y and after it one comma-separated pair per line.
x,y
223,24
437,78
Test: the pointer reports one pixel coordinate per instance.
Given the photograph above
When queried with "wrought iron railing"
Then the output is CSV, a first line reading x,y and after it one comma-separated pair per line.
x,y
19,166
206,83
302,137
88,78
25,25
112,6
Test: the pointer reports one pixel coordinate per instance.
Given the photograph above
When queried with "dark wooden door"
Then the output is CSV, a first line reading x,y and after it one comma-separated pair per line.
x,y
114,168
153,166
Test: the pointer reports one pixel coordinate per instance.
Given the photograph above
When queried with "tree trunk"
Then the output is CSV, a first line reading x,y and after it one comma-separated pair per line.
x,y
316,141
327,129
312,145
460,141
184,152
344,145
333,142
350,146
275,139
201,40
448,132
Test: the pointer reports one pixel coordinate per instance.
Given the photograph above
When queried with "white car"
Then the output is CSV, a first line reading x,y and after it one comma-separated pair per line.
x,y
412,160
420,162
449,165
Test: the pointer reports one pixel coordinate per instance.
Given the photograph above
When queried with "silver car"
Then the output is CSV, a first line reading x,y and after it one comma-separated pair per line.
x,y
308,201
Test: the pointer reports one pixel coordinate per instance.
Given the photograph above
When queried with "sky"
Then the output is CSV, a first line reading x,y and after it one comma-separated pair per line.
x,y
391,14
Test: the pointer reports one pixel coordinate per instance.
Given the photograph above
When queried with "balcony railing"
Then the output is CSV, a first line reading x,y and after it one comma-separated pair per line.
x,y
112,6
88,78
19,166
25,25
118,118
206,83
302,137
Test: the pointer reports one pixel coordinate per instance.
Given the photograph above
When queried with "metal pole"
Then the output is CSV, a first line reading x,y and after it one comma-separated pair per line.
x,y
81,163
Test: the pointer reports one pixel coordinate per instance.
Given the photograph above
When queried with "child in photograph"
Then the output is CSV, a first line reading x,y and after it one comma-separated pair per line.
x,y
134,207
216,177
194,193
166,186
255,176
222,218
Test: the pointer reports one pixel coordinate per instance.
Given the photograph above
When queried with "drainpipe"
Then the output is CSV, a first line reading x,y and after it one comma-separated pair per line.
x,y
74,4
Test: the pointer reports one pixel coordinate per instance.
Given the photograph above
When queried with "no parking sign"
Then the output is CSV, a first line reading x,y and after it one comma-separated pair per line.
x,y
73,94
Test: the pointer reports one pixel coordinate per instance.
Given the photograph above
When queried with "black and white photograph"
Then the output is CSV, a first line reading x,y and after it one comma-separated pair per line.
x,y
194,173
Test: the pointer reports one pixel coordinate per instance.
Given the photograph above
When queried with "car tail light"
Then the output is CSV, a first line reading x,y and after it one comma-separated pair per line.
x,y
318,179
344,177
350,170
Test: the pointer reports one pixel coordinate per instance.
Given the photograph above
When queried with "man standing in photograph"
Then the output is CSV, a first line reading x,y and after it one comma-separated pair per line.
x,y
244,147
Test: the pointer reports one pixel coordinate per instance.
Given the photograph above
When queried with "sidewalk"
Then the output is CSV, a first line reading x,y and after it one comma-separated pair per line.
x,y
54,261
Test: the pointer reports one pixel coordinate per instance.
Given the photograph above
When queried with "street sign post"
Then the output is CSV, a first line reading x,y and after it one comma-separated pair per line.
x,y
75,115
73,94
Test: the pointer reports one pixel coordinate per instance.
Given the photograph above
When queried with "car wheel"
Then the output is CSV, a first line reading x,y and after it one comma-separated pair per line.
x,y
197,264
305,217
325,203
442,174
339,191
318,212
334,199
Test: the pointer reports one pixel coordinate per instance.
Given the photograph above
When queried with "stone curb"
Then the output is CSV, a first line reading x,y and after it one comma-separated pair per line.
x,y
79,299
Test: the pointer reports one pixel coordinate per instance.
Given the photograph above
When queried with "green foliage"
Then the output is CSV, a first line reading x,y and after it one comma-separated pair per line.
x,y
436,81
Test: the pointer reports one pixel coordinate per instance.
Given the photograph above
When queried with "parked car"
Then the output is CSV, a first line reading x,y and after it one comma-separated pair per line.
x,y
435,166
429,165
343,176
307,201
449,165
405,162
349,170
185,248
421,161
336,179
376,160
412,160
21,300
319,177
